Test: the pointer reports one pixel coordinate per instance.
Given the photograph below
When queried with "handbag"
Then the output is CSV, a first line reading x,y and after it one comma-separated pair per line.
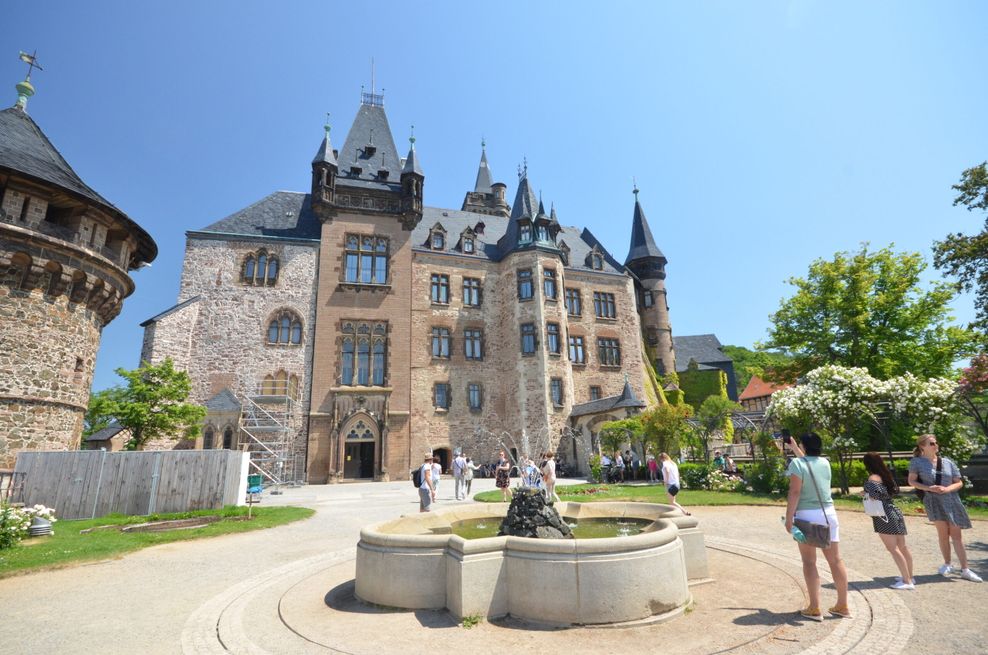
x,y
816,534
874,507
921,493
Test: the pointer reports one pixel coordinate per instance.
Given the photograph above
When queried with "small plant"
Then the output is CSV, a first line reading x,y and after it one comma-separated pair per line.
x,y
15,522
472,620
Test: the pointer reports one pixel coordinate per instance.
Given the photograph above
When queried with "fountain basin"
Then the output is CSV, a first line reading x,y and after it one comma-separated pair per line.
x,y
403,563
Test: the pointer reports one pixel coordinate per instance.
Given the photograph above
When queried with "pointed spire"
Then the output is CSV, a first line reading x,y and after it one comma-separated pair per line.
x,y
484,177
541,206
412,161
642,244
525,201
628,398
552,213
325,153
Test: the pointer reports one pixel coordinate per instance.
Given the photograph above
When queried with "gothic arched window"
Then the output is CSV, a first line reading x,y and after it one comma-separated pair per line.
x,y
346,362
260,268
228,438
285,329
207,438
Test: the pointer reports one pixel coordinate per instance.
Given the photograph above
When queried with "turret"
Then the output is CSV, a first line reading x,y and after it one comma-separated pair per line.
x,y
324,171
487,197
412,180
647,263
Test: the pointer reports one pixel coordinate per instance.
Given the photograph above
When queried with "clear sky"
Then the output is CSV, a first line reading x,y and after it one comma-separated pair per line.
x,y
763,135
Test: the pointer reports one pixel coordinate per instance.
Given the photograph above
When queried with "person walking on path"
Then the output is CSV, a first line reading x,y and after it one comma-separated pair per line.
x,y
427,491
549,478
940,478
468,468
459,462
810,500
892,527
502,476
670,476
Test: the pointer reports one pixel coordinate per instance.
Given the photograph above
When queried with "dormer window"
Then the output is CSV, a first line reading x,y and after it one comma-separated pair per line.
x,y
383,173
597,262
438,241
468,245
355,171
541,233
369,150
524,233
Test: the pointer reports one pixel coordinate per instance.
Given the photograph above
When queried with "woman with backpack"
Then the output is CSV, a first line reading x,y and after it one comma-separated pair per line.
x,y
891,528
940,481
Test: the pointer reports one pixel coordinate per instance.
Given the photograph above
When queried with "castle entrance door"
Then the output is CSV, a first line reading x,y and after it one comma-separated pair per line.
x,y
360,448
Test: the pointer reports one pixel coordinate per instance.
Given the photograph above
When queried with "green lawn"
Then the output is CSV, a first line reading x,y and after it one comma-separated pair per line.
x,y
67,546
588,493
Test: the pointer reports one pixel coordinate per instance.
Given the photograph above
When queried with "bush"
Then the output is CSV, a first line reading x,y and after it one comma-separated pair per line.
x,y
695,476
720,481
767,478
14,522
595,468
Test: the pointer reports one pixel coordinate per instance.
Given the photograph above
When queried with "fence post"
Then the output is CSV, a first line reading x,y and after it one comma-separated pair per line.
x,y
156,473
99,481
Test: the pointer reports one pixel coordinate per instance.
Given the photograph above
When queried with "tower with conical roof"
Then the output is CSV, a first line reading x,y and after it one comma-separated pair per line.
x,y
487,197
65,254
324,171
648,264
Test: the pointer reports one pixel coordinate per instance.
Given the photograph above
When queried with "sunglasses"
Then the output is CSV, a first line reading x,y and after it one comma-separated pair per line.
x,y
931,443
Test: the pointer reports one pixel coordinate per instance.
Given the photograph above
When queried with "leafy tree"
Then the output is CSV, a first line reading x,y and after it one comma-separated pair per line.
x,y
748,363
665,427
712,416
614,434
151,405
867,309
972,392
966,257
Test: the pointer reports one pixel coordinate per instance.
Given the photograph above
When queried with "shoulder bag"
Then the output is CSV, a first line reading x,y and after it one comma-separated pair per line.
x,y
816,534
921,493
874,507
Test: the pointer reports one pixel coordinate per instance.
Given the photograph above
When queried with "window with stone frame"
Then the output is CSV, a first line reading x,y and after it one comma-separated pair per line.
x,y
525,288
556,391
467,245
549,283
471,292
363,353
604,305
609,351
525,233
574,304
365,259
441,395
439,289
595,393
473,344
285,329
647,299
553,341
260,268
208,437
438,240
577,352
440,343
475,396
228,438
528,341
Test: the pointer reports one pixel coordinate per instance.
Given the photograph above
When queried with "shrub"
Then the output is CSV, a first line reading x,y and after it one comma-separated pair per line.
x,y
595,467
767,478
14,522
720,481
695,476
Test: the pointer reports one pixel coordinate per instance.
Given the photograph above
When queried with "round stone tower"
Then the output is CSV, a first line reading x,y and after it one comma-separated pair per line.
x,y
65,253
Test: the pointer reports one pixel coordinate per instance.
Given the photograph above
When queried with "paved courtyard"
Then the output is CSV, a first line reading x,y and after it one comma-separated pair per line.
x,y
289,590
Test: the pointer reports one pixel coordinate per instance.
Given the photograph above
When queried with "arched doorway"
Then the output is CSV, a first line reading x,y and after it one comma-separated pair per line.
x,y
444,456
360,439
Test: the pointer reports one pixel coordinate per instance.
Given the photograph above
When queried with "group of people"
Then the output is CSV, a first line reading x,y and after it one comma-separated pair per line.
x,y
430,474
810,500
541,476
725,463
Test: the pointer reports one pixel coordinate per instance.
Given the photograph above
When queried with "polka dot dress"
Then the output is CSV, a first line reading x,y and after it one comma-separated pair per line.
x,y
893,523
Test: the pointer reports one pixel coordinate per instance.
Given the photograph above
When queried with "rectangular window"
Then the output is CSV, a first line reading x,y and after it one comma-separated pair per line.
x,y
556,390
525,290
549,283
528,338
609,352
440,342
440,395
440,289
471,292
552,338
603,305
594,393
647,299
467,245
475,396
473,344
366,259
577,355
573,304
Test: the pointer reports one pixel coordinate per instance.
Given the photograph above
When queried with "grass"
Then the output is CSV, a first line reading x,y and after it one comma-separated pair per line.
x,y
588,493
68,547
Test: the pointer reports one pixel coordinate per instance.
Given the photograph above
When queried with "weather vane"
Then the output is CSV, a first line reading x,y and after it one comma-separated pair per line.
x,y
31,61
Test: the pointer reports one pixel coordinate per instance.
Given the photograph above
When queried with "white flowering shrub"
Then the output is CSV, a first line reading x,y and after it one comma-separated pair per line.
x,y
15,521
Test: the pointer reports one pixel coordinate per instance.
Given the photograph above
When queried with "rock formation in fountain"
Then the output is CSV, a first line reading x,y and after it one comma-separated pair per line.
x,y
530,516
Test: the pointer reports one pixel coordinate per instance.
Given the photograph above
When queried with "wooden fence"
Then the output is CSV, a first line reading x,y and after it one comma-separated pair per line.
x,y
91,483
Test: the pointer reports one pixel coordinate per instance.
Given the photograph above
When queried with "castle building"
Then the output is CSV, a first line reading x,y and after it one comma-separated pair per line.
x,y
65,253
342,332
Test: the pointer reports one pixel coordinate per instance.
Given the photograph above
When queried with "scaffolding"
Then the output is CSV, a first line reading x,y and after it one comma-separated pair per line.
x,y
269,433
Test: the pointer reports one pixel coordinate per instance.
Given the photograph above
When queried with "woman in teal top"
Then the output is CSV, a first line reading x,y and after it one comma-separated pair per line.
x,y
814,503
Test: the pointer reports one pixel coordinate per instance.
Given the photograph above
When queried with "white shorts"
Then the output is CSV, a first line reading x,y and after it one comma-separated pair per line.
x,y
816,516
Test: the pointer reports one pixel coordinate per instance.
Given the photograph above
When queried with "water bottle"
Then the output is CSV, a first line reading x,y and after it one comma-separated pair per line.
x,y
797,534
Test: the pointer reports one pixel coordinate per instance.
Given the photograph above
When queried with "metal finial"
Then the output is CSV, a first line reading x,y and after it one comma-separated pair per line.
x,y
519,171
525,161
411,138
634,185
326,126
32,62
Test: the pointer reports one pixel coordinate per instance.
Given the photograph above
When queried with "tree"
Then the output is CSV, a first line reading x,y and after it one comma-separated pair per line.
x,y
972,392
614,434
665,426
712,416
867,309
748,363
151,405
966,257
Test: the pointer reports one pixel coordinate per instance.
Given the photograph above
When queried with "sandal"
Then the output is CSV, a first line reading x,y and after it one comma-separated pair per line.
x,y
842,612
811,613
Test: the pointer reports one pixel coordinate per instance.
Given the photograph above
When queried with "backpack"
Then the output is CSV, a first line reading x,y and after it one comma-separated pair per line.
x,y
417,477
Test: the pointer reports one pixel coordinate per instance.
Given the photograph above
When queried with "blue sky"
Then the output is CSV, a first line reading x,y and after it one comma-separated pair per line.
x,y
763,135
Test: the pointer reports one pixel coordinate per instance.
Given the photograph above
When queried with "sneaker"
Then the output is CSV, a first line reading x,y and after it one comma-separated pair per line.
x,y
899,584
842,612
968,574
811,613
946,569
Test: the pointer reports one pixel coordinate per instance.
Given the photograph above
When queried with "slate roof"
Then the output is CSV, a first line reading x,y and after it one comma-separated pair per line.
x,y
642,244
224,401
106,433
704,348
485,179
370,127
282,214
412,162
24,148
170,310
325,152
625,399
